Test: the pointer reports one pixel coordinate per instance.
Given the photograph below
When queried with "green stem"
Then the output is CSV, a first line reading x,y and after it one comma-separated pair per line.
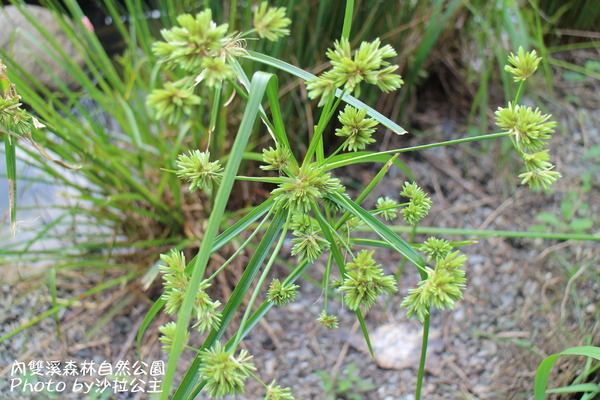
x,y
421,372
316,141
374,182
267,179
242,247
519,92
232,13
348,19
261,280
366,157
411,240
432,230
11,173
326,276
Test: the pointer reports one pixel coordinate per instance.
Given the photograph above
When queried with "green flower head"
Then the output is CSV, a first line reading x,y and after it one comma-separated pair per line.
x,y
539,160
364,282
540,178
276,392
357,129
441,289
367,64
302,224
214,71
281,294
530,128
12,117
418,205
173,102
198,170
328,321
188,44
311,183
436,249
224,373
387,207
523,64
206,310
176,281
271,23
309,246
168,333
277,159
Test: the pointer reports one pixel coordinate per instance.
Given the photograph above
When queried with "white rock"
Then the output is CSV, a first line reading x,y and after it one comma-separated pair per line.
x,y
25,44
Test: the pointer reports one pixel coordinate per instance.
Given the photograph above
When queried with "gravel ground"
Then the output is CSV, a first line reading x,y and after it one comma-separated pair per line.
x,y
525,298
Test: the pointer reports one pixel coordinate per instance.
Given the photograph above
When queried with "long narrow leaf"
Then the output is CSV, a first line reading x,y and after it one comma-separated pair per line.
x,y
235,300
11,172
543,371
329,233
258,85
220,241
382,230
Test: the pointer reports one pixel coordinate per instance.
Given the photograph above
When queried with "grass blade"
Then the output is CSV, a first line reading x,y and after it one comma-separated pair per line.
x,y
11,171
543,371
382,230
220,241
234,301
258,85
339,260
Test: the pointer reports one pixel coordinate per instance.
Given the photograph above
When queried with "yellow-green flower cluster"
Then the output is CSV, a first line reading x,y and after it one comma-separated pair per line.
x,y
418,205
523,64
387,207
173,102
12,117
277,159
357,129
349,70
195,39
175,280
214,71
441,289
207,315
364,281
271,23
176,283
224,373
276,392
168,333
436,249
198,170
280,294
310,183
309,245
308,241
530,129
328,321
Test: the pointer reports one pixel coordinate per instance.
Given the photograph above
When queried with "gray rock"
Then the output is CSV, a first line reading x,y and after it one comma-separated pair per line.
x,y
28,48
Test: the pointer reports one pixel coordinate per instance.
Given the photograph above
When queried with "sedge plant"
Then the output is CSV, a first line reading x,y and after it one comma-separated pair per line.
x,y
309,203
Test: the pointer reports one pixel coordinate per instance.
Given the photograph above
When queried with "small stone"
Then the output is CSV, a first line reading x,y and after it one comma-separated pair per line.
x,y
26,54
